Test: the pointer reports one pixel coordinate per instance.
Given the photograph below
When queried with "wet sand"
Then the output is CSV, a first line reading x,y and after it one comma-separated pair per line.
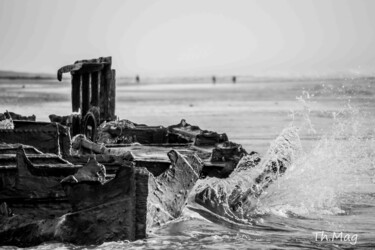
x,y
251,114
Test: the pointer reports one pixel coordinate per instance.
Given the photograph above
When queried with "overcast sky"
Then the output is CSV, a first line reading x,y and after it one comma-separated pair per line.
x,y
190,37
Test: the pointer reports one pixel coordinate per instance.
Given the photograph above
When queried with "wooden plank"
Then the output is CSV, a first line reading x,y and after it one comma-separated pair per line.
x,y
76,92
85,93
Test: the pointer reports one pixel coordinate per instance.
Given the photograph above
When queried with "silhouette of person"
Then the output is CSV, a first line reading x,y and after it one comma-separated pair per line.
x,y
213,79
137,79
234,79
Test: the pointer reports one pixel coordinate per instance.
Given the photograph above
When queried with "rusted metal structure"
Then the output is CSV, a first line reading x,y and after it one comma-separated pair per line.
x,y
48,137
133,178
93,94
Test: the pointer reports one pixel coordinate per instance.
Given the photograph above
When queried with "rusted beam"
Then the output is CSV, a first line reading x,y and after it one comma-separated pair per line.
x,y
95,203
85,93
105,93
66,69
112,95
102,95
76,92
95,76
79,68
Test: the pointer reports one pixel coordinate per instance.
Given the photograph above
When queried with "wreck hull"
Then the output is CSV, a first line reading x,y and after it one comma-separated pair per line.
x,y
30,184
39,207
35,176
101,212
92,224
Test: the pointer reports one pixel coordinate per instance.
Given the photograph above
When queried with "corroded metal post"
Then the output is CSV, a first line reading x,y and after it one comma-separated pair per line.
x,y
93,91
112,96
85,93
76,92
95,88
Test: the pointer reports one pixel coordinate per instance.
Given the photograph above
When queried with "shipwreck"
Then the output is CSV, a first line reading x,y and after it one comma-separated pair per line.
x,y
88,177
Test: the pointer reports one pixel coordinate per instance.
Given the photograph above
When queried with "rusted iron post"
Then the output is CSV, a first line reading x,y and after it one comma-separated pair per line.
x,y
95,88
104,92
93,92
76,92
112,96
85,93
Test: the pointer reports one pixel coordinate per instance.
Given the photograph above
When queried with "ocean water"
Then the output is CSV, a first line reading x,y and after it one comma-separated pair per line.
x,y
325,199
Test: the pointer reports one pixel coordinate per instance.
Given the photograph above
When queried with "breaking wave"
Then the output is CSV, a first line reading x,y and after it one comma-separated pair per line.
x,y
338,171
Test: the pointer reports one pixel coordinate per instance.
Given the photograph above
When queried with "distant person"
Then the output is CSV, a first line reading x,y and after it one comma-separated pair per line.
x,y
234,79
137,79
213,79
